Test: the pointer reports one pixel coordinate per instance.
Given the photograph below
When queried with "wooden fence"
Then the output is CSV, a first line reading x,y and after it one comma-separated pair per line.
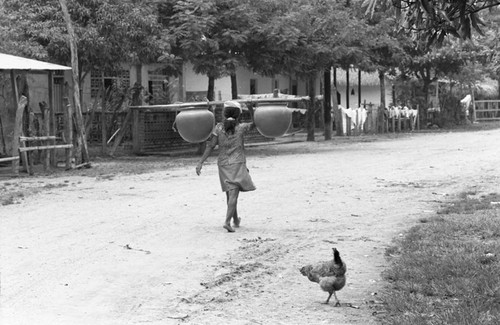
x,y
487,110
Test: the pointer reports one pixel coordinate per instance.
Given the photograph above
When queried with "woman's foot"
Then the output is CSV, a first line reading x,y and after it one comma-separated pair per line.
x,y
236,222
228,228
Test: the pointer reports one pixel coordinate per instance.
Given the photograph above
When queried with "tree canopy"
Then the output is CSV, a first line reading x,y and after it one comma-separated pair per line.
x,y
108,32
295,37
434,20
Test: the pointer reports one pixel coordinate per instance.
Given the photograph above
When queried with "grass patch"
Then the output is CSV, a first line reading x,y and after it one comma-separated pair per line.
x,y
469,202
447,269
13,193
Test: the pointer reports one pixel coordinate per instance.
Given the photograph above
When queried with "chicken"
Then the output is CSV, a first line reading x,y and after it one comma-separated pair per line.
x,y
330,275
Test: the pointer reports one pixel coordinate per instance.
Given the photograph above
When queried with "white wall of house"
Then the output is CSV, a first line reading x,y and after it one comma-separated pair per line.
x,y
370,94
192,85
370,88
193,82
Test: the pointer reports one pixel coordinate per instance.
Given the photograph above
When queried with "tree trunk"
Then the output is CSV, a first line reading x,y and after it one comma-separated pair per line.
x,y
327,103
498,83
347,93
359,88
82,139
311,109
381,109
335,105
425,90
234,86
211,88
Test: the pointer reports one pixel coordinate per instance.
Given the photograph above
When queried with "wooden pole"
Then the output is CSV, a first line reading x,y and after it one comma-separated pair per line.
x,y
18,126
104,132
136,131
18,129
31,132
418,117
347,87
335,105
327,104
53,125
68,130
359,87
311,108
76,82
46,121
383,104
474,116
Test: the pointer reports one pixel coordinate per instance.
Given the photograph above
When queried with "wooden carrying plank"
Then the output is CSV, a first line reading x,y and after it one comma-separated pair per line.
x,y
187,106
57,146
9,159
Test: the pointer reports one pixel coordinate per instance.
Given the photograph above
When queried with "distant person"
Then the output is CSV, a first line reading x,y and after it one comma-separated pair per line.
x,y
233,173
465,103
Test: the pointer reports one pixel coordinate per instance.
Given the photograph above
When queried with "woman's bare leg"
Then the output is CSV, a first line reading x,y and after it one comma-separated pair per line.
x,y
236,220
232,202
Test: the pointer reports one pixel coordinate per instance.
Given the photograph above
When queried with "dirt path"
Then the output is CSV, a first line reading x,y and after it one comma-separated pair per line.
x,y
149,248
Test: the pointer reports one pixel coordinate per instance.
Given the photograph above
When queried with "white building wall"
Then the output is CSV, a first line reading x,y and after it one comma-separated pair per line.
x,y
193,82
370,94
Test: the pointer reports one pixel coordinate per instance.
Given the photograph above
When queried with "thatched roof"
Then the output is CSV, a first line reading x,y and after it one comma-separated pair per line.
x,y
367,78
488,87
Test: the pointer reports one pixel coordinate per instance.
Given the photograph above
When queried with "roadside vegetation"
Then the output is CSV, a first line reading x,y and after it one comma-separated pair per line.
x,y
446,270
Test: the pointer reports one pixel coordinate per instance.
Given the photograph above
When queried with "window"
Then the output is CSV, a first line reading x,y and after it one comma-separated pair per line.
x,y
162,88
97,79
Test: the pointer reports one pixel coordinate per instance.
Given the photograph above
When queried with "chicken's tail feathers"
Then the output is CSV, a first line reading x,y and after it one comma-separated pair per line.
x,y
336,256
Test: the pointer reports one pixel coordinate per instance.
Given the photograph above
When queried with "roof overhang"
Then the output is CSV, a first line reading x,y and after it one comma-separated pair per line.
x,y
12,62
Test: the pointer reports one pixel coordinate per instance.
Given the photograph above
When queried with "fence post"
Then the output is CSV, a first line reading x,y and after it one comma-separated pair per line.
x,y
136,141
18,128
474,116
68,130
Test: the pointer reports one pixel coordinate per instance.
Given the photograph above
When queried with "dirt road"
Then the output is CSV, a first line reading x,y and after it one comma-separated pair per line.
x,y
106,246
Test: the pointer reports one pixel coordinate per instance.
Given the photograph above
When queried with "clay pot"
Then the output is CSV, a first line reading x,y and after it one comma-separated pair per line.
x,y
195,125
272,119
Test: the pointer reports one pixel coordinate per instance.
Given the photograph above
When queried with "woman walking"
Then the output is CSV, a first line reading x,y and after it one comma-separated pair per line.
x,y
233,173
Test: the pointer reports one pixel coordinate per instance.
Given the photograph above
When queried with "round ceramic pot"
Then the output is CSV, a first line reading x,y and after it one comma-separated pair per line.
x,y
195,125
272,119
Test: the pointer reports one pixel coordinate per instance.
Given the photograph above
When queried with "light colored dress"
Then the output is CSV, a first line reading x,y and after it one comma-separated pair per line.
x,y
233,172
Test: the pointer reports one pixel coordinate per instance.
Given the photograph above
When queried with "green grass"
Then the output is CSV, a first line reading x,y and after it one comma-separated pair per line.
x,y
446,270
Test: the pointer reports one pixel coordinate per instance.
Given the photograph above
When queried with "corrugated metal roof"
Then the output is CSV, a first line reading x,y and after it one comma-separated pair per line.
x,y
12,62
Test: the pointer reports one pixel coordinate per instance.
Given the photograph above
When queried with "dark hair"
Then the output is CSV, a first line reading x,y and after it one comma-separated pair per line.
x,y
230,124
